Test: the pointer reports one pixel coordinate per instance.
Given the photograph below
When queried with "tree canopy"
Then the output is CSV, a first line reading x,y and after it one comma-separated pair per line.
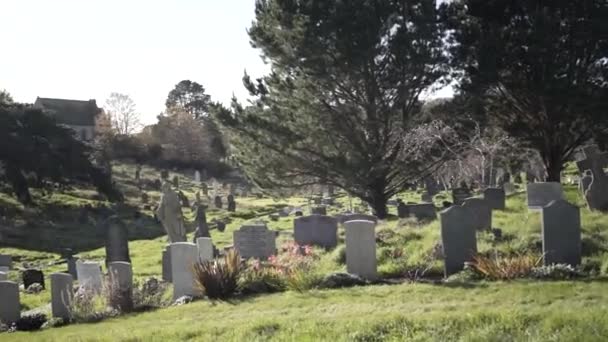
x,y
341,104
191,97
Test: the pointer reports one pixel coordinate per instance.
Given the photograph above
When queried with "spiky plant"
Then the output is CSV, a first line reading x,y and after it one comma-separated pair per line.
x,y
218,279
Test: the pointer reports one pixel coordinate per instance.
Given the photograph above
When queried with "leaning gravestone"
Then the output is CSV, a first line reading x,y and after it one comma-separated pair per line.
x,y
10,310
183,257
460,194
458,238
62,295
360,243
561,233
205,248
585,181
495,197
32,276
6,260
319,230
90,276
255,241
117,241
541,194
321,210
480,211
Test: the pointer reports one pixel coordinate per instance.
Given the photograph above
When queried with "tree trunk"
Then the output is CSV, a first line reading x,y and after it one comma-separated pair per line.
x,y
378,204
553,166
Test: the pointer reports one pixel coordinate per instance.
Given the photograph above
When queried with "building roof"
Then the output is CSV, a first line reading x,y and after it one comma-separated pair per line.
x,y
70,112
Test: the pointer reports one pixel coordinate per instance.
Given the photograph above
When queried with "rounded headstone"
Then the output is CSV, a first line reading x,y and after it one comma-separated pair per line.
x,y
361,248
61,295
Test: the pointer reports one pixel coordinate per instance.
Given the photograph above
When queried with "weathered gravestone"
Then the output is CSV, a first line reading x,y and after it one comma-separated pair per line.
x,y
561,233
458,238
431,186
361,249
6,260
121,278
255,241
218,202
343,218
423,211
3,276
202,228
117,241
32,276
90,276
319,230
321,210
231,203
460,194
62,295
166,263
205,248
541,194
495,197
183,257
480,211
10,308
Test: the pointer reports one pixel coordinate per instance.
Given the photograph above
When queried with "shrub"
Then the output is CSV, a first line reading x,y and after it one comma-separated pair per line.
x,y
261,278
88,306
556,272
505,267
150,294
117,298
30,322
218,279
297,265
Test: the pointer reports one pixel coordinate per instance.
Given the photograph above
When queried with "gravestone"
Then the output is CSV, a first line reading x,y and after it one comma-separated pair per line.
x,y
458,238
596,194
121,276
431,187
481,212
71,262
169,213
255,241
319,230
460,194
10,310
360,243
176,181
205,248
90,276
425,197
561,233
183,257
402,209
321,210
62,295
4,269
343,218
197,176
423,211
231,203
495,198
595,160
541,194
218,202
202,228
298,213
166,263
6,260
32,276
3,276
117,241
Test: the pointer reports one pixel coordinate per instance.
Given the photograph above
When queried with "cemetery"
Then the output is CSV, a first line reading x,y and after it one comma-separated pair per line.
x,y
390,170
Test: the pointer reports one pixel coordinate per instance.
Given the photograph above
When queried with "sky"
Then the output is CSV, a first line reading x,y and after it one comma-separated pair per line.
x,y
87,49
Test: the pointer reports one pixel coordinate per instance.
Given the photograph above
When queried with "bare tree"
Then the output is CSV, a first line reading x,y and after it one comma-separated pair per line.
x,y
123,116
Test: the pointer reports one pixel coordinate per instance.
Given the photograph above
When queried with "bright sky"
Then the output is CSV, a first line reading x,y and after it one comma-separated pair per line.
x,y
86,49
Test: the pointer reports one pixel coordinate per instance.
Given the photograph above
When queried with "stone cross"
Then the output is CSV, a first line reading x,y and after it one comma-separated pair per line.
x,y
361,249
169,213
561,233
183,257
317,230
10,310
62,295
458,238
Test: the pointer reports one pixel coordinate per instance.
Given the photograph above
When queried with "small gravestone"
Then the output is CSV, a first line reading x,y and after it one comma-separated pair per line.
x,y
166,263
6,260
121,278
342,218
481,212
205,248
32,276
541,194
458,238
423,211
321,210
495,197
10,310
360,243
176,181
197,176
202,228
561,233
183,257
117,241
231,206
218,202
402,209
255,241
319,230
90,276
460,194
62,295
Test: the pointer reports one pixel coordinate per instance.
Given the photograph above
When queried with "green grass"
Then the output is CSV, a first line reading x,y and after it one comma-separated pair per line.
x,y
478,311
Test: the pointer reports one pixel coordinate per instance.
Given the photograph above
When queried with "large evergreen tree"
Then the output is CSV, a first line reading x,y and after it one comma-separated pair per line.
x,y
540,69
341,102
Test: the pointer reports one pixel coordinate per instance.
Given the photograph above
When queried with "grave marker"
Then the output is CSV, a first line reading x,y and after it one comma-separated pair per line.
x,y
62,295
205,248
561,233
183,257
166,263
90,276
317,230
10,310
6,260
541,194
495,197
459,195
361,249
117,241
255,241
458,238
